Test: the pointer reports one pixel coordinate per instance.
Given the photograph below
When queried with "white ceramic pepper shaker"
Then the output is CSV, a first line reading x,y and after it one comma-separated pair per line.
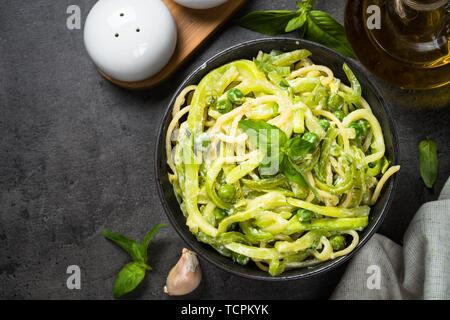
x,y
130,40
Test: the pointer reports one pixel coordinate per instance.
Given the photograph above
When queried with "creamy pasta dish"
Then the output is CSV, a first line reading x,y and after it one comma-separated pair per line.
x,y
275,161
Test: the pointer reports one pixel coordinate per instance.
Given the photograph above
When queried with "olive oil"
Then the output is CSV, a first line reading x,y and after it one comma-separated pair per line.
x,y
405,42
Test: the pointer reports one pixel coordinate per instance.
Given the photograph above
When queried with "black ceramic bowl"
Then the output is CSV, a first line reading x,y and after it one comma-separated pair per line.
x,y
320,55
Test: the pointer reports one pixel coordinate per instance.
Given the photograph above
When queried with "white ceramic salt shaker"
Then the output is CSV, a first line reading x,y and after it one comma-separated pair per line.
x,y
130,40
200,4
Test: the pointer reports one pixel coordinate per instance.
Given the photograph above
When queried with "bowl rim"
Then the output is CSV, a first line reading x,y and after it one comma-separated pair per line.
x,y
196,244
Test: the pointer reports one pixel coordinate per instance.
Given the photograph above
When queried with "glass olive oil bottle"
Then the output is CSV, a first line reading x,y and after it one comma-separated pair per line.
x,y
405,42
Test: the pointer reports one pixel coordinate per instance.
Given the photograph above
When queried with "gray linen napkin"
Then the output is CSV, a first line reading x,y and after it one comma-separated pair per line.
x,y
420,270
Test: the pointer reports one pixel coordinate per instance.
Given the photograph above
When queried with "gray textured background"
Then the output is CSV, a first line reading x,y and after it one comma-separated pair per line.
x,y
77,156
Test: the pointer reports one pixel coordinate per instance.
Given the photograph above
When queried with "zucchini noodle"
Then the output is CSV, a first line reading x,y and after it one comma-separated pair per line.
x,y
173,124
275,161
181,99
381,183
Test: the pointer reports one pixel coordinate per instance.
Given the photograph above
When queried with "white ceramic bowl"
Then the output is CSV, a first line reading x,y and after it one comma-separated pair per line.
x,y
200,4
130,40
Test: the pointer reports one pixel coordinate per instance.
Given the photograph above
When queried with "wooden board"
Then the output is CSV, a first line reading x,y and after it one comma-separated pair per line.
x,y
193,27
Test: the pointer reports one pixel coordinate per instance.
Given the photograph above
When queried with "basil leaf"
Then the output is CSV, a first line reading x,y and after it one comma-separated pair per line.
x,y
268,22
297,147
294,173
296,22
133,248
128,278
147,239
263,130
291,173
316,25
429,162
303,30
322,28
261,134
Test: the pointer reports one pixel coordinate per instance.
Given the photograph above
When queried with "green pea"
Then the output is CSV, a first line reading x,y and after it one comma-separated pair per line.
x,y
227,192
358,129
219,213
205,143
339,114
324,124
312,138
284,84
374,168
362,128
235,96
334,101
203,140
365,126
240,258
304,215
338,242
224,106
211,101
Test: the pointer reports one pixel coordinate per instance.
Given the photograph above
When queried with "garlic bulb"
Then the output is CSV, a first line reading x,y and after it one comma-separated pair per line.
x,y
185,276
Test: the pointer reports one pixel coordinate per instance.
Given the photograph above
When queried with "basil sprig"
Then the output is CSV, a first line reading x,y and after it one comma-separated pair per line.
x,y
134,272
429,162
313,25
268,22
286,153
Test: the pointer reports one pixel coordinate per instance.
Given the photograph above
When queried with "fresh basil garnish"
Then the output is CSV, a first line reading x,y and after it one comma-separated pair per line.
x,y
263,132
130,246
313,25
322,28
129,278
283,152
146,241
134,272
289,169
294,173
297,22
297,147
267,22
429,162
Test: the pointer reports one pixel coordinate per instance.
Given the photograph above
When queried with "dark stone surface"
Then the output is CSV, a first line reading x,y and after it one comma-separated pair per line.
x,y
77,156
